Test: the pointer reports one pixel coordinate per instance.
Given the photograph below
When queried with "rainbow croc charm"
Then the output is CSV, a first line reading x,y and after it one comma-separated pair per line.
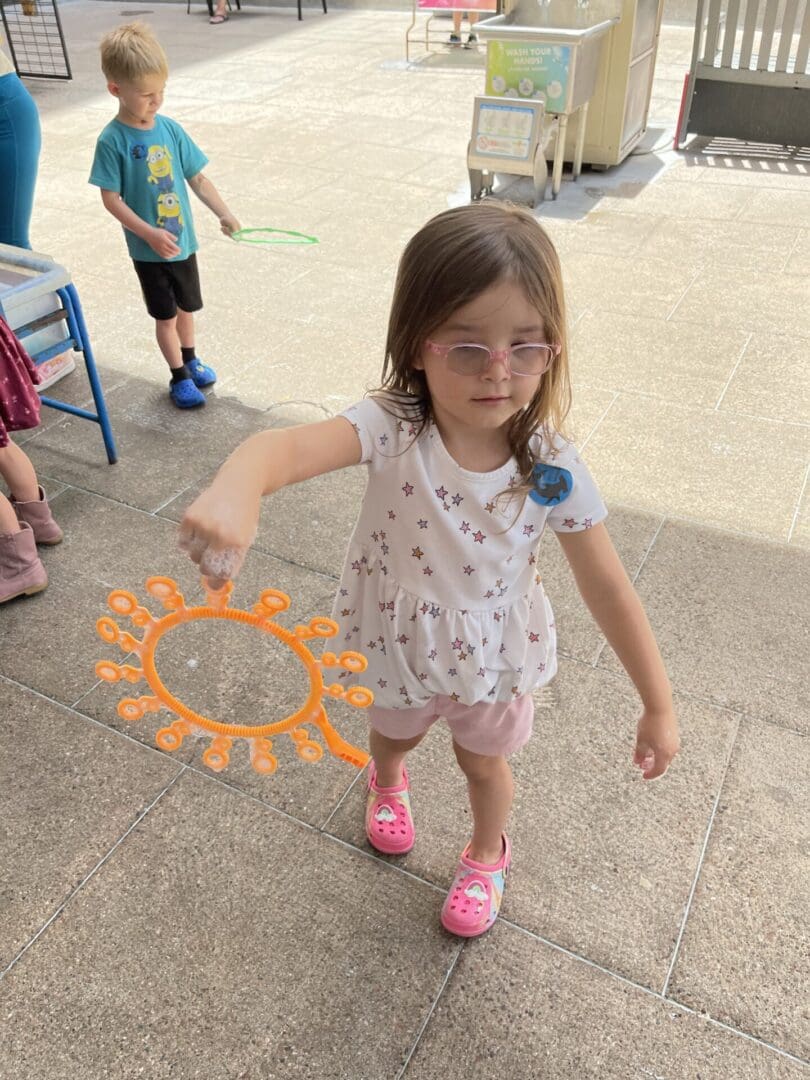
x,y
258,737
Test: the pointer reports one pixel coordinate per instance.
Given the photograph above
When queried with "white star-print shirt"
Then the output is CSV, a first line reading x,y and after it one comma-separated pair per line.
x,y
439,591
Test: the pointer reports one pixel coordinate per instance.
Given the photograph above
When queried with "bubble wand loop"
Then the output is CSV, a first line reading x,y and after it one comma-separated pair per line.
x,y
270,603
272,236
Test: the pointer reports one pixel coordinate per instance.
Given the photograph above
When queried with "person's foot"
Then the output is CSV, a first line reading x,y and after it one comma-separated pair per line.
x,y
472,41
21,571
185,394
38,515
455,39
474,899
389,823
201,373
219,18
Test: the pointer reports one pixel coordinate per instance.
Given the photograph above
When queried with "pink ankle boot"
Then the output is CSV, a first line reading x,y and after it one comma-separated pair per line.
x,y
21,571
38,515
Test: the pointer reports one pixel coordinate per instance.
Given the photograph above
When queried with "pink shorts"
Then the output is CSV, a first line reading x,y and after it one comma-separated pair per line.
x,y
489,728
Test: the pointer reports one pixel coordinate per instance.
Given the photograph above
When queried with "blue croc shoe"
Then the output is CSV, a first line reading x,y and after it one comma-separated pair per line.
x,y
185,394
201,373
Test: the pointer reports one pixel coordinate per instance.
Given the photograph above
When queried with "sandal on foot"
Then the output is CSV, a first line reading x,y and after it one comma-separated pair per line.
x,y
389,825
474,900
217,20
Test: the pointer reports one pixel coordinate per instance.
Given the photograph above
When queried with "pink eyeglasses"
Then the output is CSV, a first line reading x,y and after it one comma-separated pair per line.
x,y
532,358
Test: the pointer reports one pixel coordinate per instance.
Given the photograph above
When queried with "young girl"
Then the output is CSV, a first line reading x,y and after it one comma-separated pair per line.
x,y
25,519
440,590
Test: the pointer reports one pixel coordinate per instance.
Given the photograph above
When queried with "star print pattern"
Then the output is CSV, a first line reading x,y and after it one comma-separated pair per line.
x,y
440,588
19,402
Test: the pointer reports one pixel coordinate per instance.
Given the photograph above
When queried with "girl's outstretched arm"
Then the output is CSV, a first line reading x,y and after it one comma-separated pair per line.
x,y
611,599
220,525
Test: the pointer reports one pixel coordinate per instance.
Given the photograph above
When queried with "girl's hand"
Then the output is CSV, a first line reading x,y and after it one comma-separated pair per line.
x,y
657,742
217,530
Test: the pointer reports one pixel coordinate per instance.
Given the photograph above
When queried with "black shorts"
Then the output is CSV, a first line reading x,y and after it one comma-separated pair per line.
x,y
167,286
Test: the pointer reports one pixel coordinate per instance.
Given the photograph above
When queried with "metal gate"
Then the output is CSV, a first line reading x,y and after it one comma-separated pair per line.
x,y
36,42
749,75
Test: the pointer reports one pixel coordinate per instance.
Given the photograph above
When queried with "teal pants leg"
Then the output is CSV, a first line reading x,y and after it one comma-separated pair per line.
x,y
20,142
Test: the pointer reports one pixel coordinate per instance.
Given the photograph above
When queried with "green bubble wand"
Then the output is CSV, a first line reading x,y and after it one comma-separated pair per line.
x,y
272,236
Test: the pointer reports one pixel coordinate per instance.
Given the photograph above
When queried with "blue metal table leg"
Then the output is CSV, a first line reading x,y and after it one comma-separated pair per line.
x,y
78,331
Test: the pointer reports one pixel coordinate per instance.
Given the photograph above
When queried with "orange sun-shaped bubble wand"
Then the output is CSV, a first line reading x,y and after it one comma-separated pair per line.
x,y
188,722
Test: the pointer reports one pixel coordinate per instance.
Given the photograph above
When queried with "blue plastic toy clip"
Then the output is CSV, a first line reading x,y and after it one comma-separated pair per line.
x,y
552,485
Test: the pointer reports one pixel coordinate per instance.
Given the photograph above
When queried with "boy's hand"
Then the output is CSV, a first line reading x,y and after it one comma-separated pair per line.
x,y
217,531
162,243
657,743
229,224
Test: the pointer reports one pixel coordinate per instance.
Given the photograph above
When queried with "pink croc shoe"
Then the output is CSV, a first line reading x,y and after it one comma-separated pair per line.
x,y
474,900
389,825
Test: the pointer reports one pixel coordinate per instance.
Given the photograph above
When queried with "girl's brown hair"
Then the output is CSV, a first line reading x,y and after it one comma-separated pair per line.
x,y
455,257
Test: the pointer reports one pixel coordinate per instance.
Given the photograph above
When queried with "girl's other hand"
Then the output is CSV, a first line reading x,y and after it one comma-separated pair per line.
x,y
216,532
657,743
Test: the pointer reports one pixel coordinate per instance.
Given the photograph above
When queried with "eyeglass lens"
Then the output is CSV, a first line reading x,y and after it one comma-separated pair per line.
x,y
523,359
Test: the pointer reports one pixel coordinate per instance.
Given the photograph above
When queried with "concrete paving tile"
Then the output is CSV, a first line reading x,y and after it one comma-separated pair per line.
x,y
603,232
697,463
589,406
536,1012
308,352
611,872
752,246
800,534
730,620
775,207
704,201
755,391
578,636
648,286
799,259
61,620
625,352
68,790
150,433
742,959
747,302
170,957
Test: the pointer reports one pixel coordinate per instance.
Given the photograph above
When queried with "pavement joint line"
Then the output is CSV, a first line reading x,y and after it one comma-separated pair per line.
x,y
729,380
680,299
634,579
798,504
92,873
239,792
792,248
91,719
688,907
340,801
598,423
709,526
431,1010
652,993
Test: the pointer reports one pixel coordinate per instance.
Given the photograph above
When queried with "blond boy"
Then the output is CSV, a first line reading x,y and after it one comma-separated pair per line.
x,y
142,163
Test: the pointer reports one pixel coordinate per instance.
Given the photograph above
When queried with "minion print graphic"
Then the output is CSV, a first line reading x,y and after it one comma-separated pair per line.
x,y
159,161
169,215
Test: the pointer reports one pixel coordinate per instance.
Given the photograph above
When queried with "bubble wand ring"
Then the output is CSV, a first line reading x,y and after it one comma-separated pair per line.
x,y
265,236
270,603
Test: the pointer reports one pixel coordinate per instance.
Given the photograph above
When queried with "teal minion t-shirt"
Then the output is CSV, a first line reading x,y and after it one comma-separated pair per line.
x,y
149,170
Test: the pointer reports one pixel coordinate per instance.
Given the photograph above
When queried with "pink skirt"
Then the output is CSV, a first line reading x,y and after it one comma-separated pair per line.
x,y
19,401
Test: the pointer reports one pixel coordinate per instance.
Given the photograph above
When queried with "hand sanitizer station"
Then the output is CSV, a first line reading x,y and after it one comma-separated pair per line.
x,y
591,61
